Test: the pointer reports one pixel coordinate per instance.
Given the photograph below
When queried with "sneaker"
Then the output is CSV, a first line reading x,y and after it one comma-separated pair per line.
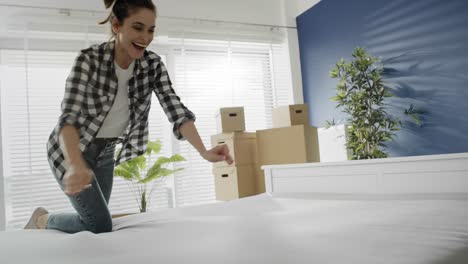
x,y
34,217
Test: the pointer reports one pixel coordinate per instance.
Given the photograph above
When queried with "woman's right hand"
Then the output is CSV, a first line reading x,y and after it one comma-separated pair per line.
x,y
77,179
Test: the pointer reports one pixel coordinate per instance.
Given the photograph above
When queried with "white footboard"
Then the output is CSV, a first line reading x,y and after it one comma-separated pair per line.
x,y
434,174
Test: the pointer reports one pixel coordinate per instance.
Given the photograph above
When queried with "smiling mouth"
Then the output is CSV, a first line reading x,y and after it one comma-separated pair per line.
x,y
139,46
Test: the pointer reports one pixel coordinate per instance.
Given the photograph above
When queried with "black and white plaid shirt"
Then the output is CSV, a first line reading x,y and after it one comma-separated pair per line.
x,y
90,91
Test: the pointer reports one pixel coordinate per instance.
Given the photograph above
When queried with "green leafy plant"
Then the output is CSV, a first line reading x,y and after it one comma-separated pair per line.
x,y
360,94
140,175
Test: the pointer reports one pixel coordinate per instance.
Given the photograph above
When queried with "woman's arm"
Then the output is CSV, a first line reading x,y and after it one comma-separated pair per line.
x,y
69,139
78,176
183,119
218,153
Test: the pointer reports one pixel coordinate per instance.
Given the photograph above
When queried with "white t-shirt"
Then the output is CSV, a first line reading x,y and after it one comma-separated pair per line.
x,y
118,117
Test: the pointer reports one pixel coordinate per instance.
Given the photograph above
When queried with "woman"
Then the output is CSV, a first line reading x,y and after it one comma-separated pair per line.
x,y
107,101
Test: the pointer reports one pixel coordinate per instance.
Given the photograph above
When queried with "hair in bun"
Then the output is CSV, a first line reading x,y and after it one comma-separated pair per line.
x,y
121,9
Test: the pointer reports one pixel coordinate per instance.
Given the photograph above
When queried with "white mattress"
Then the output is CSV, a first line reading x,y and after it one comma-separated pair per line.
x,y
264,229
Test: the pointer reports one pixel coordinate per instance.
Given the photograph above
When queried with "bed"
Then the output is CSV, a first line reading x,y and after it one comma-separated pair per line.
x,y
345,212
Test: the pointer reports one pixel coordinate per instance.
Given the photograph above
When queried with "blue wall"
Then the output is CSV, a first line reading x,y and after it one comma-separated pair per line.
x,y
423,45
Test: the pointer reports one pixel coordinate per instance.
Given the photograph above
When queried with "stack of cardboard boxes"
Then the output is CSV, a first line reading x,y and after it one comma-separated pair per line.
x,y
240,178
291,140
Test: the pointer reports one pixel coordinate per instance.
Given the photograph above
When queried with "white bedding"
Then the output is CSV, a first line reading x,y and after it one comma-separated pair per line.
x,y
264,229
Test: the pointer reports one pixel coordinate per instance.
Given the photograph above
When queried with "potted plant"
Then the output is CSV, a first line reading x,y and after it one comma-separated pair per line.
x,y
140,174
361,93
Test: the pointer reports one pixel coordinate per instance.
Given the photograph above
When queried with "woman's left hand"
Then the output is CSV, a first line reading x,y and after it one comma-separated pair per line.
x,y
218,153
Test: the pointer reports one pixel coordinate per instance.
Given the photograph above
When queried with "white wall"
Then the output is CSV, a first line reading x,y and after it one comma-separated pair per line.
x,y
2,180
263,12
293,8
267,12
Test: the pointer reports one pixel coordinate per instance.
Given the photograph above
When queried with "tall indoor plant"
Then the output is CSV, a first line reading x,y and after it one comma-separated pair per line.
x,y
360,94
140,173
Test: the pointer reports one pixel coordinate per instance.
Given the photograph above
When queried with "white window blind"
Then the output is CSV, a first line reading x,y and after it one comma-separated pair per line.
x,y
208,72
28,105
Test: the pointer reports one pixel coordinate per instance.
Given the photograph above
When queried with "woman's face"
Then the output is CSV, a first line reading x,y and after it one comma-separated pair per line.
x,y
135,33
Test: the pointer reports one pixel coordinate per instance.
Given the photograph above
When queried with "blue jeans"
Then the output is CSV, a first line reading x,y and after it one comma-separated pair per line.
x,y
91,205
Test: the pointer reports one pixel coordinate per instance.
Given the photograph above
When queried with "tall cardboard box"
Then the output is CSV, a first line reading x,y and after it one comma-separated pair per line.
x,y
230,119
242,147
295,144
235,182
290,115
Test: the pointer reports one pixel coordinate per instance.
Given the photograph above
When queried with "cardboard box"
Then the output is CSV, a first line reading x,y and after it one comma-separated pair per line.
x,y
230,119
290,115
242,147
295,144
235,182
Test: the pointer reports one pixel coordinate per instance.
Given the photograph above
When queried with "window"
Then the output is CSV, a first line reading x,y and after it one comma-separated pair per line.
x,y
207,73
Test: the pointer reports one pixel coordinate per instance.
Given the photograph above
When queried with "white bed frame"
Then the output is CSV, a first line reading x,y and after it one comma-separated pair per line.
x,y
434,174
